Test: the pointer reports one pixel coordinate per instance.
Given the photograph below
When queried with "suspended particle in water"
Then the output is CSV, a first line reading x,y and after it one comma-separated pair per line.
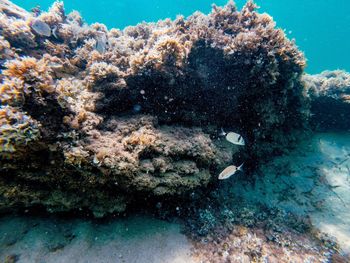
x,y
137,108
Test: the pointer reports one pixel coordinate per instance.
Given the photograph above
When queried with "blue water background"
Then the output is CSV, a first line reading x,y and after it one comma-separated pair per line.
x,y
321,27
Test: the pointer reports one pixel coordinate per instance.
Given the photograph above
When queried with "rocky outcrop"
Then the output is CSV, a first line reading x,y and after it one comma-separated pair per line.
x,y
329,93
97,119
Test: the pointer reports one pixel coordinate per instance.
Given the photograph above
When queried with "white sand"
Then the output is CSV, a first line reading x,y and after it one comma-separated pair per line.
x,y
139,239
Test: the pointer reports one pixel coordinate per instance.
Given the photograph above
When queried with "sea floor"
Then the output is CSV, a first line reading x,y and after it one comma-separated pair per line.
x,y
134,239
312,181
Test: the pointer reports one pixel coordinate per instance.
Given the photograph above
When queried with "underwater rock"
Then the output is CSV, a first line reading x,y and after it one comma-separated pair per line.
x,y
14,26
17,131
329,93
188,77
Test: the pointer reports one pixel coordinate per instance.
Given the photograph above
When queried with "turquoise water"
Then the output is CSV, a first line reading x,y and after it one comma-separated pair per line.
x,y
131,126
321,28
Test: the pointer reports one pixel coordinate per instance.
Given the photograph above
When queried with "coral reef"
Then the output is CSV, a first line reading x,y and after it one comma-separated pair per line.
x,y
329,93
134,114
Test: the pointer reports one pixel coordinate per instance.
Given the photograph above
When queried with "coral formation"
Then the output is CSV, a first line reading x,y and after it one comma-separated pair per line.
x,y
133,114
329,93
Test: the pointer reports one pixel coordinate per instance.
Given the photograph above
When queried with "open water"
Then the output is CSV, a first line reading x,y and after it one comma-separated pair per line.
x,y
320,27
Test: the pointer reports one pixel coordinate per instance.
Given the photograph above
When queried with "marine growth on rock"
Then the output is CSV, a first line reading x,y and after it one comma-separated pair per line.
x,y
69,96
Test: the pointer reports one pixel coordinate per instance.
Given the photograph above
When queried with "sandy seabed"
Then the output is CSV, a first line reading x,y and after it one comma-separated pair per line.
x,y
135,239
313,180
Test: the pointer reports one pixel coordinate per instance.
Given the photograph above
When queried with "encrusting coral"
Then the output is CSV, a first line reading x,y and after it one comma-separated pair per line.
x,y
130,114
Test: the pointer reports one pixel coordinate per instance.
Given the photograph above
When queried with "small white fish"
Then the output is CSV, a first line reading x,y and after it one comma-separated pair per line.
x,y
229,171
41,28
235,138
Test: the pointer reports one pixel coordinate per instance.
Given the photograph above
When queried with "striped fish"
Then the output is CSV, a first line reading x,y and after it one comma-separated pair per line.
x,y
235,138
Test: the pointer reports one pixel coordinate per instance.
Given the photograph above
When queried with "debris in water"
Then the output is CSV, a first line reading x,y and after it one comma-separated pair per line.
x,y
137,108
229,171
